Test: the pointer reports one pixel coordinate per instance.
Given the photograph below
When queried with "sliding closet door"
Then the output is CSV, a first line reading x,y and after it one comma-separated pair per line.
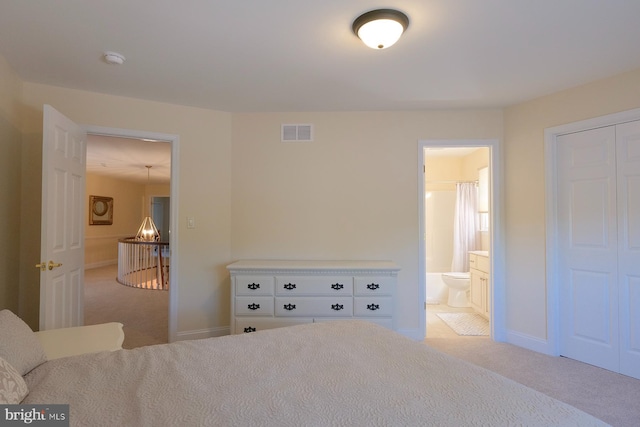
x,y
628,165
587,243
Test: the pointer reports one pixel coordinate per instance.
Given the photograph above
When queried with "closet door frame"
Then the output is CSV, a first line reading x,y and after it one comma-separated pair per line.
x,y
550,147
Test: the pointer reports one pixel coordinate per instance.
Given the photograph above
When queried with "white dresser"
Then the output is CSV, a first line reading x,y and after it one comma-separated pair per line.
x,y
269,294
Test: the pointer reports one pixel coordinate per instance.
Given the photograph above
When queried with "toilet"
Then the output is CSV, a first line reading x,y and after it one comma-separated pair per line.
x,y
458,284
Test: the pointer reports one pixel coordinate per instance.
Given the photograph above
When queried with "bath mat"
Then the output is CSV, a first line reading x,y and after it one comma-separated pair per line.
x,y
466,323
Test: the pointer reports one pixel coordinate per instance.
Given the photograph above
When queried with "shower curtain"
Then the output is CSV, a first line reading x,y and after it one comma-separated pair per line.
x,y
466,225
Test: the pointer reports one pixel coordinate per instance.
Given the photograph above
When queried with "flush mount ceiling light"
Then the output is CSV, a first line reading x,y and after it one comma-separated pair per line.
x,y
380,28
113,58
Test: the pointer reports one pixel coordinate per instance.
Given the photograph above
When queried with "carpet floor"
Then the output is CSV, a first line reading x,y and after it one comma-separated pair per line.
x,y
143,312
606,395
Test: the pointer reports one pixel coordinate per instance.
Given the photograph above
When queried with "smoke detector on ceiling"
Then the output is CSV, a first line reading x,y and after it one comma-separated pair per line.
x,y
113,58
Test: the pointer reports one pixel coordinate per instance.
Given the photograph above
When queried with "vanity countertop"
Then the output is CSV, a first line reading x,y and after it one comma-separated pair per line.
x,y
481,253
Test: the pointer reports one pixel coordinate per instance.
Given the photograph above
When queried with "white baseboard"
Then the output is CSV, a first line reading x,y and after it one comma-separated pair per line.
x,y
529,342
100,264
203,333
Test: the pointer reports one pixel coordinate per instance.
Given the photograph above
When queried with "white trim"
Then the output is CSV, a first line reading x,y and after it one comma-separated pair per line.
x,y
174,140
496,224
529,342
550,152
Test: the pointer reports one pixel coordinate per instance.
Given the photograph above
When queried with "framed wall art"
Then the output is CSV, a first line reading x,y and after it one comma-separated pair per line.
x,y
100,210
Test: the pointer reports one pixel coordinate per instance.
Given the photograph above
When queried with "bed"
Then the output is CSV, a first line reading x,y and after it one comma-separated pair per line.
x,y
341,373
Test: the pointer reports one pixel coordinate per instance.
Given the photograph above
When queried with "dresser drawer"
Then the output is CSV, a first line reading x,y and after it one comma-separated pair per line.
x,y
321,285
254,306
254,285
245,325
373,306
374,285
318,306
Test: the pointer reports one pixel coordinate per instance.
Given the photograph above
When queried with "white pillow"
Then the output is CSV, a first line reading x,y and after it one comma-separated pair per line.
x,y
19,346
12,387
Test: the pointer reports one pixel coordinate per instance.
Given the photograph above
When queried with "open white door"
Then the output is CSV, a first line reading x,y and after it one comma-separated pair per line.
x,y
62,227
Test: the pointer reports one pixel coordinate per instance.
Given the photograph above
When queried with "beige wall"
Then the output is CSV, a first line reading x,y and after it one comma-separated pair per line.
x,y
350,194
203,180
473,162
10,155
101,241
525,187
449,168
439,169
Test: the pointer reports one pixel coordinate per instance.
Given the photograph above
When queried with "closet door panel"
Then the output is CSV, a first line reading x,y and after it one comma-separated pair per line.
x,y
587,240
628,179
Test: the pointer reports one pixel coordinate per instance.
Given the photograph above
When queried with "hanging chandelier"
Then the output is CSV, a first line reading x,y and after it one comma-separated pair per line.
x,y
148,232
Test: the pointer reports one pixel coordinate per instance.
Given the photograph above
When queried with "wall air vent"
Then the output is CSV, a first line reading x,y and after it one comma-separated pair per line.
x,y
297,133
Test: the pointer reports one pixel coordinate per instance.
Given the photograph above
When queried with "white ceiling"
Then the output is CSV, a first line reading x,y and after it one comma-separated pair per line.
x,y
126,159
286,55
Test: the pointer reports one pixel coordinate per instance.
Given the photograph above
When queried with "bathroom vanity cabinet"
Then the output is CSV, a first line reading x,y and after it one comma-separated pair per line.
x,y
480,298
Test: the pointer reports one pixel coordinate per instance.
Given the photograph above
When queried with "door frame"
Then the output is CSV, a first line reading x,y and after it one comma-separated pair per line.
x,y
551,183
496,229
174,140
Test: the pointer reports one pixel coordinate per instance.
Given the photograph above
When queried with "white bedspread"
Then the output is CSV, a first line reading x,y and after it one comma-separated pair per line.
x,y
347,373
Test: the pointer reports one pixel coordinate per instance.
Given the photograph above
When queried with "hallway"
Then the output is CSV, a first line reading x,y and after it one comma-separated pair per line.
x,y
143,312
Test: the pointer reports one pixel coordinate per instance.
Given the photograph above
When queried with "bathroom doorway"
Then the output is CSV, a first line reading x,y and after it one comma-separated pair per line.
x,y
471,303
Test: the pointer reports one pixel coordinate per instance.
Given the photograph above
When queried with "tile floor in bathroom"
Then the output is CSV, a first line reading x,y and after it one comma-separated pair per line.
x,y
436,328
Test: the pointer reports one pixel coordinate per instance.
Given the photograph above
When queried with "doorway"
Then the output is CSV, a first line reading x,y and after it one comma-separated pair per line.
x,y
169,220
135,175
161,215
430,257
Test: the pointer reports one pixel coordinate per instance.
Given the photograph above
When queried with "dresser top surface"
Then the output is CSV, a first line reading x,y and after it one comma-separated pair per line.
x,y
312,265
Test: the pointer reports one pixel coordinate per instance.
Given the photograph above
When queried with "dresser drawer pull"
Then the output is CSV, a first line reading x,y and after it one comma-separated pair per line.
x,y
289,286
290,307
337,307
337,286
373,286
373,307
249,329
253,286
253,306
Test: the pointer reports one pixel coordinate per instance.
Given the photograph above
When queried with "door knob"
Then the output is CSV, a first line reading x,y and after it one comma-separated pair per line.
x,y
51,265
